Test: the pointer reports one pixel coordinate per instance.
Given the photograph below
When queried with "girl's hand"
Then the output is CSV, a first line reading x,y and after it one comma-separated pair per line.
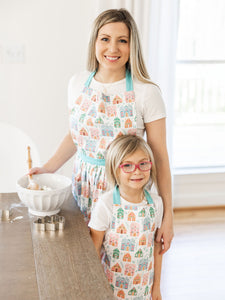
x,y
37,170
156,294
165,233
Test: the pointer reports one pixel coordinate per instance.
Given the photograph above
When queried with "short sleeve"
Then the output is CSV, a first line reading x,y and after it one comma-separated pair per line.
x,y
158,209
101,214
153,106
75,86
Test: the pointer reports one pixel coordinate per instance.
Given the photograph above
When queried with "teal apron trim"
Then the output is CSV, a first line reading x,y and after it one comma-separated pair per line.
x,y
116,196
91,160
148,197
88,82
129,81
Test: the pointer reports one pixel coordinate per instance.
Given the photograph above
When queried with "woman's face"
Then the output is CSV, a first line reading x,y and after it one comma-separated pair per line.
x,y
112,47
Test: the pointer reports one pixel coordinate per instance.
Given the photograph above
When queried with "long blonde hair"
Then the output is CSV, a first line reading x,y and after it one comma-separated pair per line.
x,y
136,62
121,147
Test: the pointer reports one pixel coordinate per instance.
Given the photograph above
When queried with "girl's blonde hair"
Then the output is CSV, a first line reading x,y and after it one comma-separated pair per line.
x,y
136,62
121,147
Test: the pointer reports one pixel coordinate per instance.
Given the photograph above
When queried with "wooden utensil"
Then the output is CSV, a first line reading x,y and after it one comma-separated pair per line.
x,y
32,185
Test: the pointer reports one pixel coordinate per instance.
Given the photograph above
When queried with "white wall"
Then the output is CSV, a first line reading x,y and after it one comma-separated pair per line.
x,y
42,44
200,189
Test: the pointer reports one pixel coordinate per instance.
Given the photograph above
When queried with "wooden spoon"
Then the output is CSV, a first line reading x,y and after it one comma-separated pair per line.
x,y
32,185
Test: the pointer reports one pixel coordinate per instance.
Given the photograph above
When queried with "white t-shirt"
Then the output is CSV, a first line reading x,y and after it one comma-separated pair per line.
x,y
101,215
148,99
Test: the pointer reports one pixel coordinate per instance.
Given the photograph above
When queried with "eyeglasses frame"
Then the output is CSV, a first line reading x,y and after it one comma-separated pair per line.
x,y
137,166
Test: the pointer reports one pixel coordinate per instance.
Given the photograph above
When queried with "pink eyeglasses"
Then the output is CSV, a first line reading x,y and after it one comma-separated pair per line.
x,y
142,166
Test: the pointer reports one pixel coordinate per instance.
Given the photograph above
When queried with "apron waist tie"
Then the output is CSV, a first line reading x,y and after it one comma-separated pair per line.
x,y
91,160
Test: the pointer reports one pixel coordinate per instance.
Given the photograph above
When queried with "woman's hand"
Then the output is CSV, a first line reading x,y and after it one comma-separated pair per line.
x,y
37,170
64,152
165,232
156,294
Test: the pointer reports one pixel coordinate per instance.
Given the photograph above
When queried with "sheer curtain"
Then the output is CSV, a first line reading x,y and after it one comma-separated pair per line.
x,y
162,54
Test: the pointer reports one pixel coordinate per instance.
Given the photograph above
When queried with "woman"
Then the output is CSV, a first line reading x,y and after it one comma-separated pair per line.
x,y
114,97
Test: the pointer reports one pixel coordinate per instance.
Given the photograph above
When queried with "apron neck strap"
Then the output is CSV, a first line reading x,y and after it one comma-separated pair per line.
x,y
116,196
88,82
129,81
148,197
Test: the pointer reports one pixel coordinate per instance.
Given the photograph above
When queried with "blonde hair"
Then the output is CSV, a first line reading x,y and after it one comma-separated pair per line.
x,y
136,62
121,147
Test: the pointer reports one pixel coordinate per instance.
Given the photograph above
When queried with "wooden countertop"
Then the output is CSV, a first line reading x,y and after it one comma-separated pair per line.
x,y
50,264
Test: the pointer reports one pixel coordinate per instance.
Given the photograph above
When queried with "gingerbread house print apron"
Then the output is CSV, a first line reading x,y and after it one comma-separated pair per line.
x,y
127,252
95,120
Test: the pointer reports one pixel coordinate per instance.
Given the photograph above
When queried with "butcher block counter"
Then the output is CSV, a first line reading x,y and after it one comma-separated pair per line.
x,y
61,264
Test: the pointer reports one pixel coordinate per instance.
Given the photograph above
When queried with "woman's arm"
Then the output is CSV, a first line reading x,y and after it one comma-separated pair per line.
x,y
64,152
97,238
156,293
156,138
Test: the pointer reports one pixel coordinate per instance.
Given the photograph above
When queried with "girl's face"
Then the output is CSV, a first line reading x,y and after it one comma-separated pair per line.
x,y
112,47
137,179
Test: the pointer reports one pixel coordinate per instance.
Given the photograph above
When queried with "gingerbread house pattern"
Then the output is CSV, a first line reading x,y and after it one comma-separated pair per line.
x,y
128,251
101,116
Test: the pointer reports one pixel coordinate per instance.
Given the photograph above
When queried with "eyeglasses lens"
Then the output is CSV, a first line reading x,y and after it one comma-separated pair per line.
x,y
143,166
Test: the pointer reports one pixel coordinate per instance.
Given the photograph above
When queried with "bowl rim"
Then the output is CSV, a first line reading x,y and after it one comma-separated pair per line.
x,y
19,187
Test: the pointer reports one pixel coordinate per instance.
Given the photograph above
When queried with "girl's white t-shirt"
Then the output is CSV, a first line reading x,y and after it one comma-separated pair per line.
x,y
148,100
101,215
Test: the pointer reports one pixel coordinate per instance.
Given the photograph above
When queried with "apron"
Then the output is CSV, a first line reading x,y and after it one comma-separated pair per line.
x,y
95,120
127,252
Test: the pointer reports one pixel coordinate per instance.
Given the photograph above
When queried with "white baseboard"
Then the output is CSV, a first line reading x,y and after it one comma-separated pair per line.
x,y
190,190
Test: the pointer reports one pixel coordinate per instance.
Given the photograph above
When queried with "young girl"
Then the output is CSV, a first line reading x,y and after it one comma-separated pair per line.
x,y
125,219
115,96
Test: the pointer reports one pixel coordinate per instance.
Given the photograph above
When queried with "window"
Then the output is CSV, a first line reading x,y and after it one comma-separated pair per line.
x,y
199,116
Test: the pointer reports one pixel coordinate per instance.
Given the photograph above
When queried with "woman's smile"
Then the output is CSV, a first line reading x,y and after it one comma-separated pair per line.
x,y
112,58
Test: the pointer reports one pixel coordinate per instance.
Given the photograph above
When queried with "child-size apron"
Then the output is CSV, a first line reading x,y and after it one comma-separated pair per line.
x,y
95,120
128,249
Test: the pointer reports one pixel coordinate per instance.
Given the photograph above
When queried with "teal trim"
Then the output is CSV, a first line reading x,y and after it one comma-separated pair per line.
x,y
148,197
87,83
129,81
91,160
116,195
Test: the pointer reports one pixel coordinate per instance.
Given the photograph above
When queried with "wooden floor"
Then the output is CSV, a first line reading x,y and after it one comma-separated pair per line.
x,y
194,267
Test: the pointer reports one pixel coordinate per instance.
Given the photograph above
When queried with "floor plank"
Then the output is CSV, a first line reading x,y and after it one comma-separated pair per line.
x,y
194,266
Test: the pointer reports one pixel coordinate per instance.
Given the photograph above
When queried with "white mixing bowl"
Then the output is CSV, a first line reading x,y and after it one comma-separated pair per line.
x,y
44,202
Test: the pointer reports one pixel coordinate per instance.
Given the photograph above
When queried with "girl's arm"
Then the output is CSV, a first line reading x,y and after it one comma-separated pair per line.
x,y
64,152
156,294
156,138
97,238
